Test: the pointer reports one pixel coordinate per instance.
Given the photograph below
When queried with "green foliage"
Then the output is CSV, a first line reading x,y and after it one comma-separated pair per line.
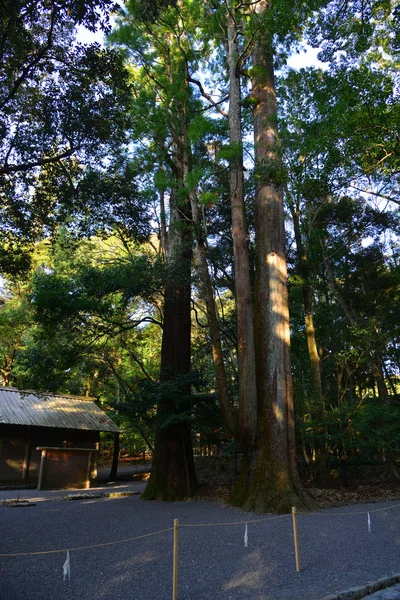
x,y
360,433
208,198
271,172
230,153
63,113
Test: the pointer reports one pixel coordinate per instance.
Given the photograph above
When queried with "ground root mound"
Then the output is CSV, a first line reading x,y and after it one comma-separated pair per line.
x,y
254,493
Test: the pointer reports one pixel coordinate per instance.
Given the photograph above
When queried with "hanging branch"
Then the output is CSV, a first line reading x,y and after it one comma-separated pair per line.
x,y
125,387
137,360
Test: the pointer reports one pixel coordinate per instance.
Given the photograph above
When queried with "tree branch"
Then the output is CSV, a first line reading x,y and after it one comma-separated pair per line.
x,y
6,169
208,97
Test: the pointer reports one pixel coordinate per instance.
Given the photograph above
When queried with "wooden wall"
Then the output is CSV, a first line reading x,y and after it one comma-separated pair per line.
x,y
19,459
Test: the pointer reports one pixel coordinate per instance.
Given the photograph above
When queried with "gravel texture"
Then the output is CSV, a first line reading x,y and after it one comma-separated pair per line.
x,y
337,551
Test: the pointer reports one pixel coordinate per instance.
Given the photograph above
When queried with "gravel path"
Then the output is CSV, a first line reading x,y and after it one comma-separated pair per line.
x,y
337,551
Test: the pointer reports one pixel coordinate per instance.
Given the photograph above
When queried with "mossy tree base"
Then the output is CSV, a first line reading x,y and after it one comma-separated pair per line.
x,y
262,490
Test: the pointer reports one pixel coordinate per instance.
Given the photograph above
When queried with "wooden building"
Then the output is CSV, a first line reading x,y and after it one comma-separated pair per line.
x,y
51,441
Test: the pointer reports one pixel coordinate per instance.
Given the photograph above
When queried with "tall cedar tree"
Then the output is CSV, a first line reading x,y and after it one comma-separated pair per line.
x,y
173,475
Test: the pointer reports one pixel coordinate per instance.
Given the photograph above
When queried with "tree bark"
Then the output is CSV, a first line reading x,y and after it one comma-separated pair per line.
x,y
320,465
269,480
206,288
303,270
163,224
173,474
243,292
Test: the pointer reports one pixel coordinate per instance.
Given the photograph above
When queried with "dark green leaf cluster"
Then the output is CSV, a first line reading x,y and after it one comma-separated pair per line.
x,y
95,298
270,172
63,108
349,27
149,10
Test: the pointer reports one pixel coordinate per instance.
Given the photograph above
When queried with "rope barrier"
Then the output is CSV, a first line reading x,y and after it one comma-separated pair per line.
x,y
138,537
233,523
248,522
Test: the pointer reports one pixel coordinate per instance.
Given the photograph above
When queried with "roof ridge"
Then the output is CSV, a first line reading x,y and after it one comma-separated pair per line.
x,y
52,410
43,393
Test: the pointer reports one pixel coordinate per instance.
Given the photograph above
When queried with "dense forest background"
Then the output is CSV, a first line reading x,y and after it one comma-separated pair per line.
x,y
143,184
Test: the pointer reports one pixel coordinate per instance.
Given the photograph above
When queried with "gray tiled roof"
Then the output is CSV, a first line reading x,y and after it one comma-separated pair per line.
x,y
44,410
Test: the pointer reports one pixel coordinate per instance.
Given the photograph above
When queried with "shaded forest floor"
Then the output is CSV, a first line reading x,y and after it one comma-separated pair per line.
x,y
217,476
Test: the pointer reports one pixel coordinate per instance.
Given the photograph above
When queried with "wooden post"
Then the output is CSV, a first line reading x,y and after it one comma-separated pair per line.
x,y
88,471
114,466
95,457
175,561
25,464
42,468
296,539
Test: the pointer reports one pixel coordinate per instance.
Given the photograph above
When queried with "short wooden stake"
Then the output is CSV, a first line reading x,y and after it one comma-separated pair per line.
x,y
175,561
296,539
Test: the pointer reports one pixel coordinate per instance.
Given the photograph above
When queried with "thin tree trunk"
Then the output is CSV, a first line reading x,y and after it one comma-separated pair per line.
x,y
116,445
303,270
243,293
163,224
115,459
227,411
321,457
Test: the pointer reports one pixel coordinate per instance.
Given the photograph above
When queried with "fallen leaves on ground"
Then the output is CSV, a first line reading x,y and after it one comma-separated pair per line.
x,y
357,494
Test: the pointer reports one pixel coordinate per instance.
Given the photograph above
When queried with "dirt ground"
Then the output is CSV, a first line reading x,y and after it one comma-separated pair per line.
x,y
217,476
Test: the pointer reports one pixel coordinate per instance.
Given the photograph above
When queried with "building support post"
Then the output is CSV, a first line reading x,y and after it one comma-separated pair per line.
x,y
114,467
42,469
27,459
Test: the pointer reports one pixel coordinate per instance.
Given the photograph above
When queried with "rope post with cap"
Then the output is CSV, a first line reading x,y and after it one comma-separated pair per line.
x,y
175,561
296,539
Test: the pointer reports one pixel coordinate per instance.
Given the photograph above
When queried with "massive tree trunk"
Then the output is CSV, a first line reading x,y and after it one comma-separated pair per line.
x,y
269,478
173,475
